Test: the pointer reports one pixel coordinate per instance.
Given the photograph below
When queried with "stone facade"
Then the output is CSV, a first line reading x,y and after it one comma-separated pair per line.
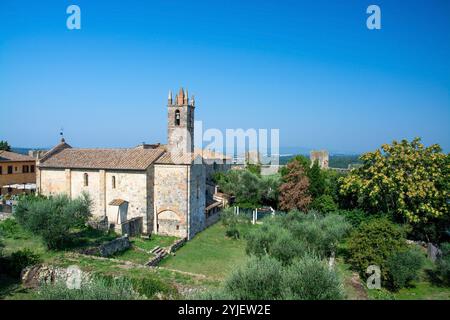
x,y
163,187
320,156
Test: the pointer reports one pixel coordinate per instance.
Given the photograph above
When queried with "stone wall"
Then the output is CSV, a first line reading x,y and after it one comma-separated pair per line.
x,y
135,187
52,181
171,198
109,248
197,199
131,186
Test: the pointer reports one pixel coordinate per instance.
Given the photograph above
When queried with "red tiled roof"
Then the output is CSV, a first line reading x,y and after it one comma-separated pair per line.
x,y
126,159
7,156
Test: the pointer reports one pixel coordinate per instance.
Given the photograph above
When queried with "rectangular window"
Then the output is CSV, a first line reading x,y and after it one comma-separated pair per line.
x,y
25,169
32,168
1,168
10,169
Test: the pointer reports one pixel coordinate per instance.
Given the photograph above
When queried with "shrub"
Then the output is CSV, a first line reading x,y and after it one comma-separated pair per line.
x,y
373,243
285,248
320,233
294,234
310,278
355,217
443,264
230,221
53,218
19,260
259,240
9,228
404,267
149,287
259,279
324,204
96,289
307,278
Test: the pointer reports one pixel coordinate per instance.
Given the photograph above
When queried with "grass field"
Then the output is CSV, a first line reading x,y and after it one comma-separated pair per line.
x,y
210,253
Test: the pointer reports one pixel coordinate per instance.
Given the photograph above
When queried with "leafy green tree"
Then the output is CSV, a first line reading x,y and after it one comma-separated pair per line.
x,y
250,189
266,278
310,278
302,160
373,242
53,217
259,279
97,289
291,236
404,178
317,184
324,204
443,264
404,267
5,146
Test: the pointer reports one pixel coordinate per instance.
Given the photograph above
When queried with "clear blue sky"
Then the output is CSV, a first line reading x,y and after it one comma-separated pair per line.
x,y
310,68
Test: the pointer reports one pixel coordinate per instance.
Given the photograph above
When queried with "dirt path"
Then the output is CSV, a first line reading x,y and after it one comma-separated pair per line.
x,y
359,292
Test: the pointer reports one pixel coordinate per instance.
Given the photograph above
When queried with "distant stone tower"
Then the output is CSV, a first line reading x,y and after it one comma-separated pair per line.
x,y
180,123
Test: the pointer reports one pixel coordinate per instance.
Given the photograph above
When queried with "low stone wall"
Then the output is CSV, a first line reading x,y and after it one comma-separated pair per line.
x,y
99,223
132,227
178,244
109,248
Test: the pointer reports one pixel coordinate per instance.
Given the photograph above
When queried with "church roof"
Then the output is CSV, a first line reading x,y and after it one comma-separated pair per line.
x,y
170,158
125,159
7,156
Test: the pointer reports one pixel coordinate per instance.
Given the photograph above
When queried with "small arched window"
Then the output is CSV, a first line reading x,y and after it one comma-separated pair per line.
x,y
113,182
86,180
177,117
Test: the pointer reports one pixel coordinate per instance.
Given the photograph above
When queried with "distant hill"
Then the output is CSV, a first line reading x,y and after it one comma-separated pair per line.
x,y
20,150
336,160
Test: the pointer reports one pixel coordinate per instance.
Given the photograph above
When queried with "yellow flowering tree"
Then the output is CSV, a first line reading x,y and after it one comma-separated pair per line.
x,y
404,178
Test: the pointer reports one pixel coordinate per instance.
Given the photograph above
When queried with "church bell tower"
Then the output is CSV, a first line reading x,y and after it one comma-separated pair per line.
x,y
180,123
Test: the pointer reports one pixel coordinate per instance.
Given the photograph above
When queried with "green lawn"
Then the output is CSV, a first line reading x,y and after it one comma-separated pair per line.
x,y
210,253
154,241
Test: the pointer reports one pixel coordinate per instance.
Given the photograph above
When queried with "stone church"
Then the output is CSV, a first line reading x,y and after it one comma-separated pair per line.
x,y
150,188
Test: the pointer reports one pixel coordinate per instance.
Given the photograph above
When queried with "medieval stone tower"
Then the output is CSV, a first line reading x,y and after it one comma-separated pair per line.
x,y
180,123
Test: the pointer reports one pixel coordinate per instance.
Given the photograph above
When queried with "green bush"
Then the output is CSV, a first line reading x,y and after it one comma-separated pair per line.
x,y
324,204
53,217
404,267
19,260
321,234
9,228
294,234
443,264
372,243
149,287
96,289
265,278
260,279
310,278
286,248
355,217
232,232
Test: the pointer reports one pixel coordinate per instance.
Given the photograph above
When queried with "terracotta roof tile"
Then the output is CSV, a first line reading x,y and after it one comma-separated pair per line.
x,y
12,156
126,159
